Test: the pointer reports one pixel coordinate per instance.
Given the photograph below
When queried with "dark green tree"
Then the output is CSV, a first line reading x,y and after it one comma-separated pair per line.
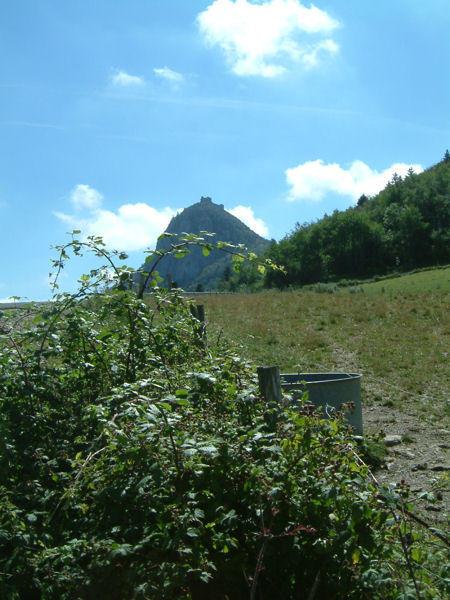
x,y
405,226
362,200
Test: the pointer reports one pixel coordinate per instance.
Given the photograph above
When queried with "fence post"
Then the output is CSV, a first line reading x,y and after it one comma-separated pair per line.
x,y
198,312
269,384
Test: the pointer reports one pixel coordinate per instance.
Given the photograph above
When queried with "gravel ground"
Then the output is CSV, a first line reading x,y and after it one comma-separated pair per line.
x,y
418,453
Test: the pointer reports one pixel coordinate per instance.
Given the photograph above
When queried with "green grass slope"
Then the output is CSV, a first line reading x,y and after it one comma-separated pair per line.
x,y
429,280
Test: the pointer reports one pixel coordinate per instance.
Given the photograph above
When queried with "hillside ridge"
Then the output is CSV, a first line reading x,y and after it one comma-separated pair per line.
x,y
196,271
405,226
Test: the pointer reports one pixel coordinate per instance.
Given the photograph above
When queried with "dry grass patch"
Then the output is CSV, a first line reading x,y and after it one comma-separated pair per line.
x,y
399,342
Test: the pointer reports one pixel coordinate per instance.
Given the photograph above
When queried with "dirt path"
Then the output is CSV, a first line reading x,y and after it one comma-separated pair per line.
x,y
418,453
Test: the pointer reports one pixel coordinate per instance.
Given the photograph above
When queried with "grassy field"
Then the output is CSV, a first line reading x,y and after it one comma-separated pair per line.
x,y
395,332
430,280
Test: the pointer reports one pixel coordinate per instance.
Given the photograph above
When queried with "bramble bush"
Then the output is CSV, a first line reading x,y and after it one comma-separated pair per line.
x,y
137,461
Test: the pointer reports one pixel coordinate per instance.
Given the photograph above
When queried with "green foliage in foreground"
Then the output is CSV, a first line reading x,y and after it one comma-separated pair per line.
x,y
136,463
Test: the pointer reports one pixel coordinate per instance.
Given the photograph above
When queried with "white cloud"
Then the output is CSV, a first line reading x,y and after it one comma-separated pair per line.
x,y
310,56
313,180
123,79
169,75
257,37
133,227
83,196
247,216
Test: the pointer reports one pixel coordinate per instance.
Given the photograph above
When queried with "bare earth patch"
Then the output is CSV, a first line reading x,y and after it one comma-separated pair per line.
x,y
421,458
418,448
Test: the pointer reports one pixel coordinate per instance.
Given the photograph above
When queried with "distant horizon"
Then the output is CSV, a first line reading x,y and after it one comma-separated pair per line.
x,y
244,214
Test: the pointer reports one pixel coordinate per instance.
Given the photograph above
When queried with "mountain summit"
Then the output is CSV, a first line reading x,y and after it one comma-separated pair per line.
x,y
195,270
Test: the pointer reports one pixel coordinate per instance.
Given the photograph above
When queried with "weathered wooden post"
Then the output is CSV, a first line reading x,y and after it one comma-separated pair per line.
x,y
270,390
269,384
198,312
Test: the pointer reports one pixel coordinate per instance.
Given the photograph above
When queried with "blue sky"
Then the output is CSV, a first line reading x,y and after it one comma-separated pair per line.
x,y
116,114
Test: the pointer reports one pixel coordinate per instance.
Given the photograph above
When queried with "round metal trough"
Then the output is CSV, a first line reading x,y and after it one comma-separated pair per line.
x,y
328,391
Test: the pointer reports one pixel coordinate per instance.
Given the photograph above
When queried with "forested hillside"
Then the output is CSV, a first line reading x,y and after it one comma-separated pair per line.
x,y
405,226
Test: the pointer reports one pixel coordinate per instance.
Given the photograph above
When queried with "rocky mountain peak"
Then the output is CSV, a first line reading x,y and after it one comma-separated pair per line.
x,y
195,270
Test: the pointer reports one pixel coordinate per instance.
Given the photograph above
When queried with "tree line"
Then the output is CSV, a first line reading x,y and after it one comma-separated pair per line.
x,y
405,226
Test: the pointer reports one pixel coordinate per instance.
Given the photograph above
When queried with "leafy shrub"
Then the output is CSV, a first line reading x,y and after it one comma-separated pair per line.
x,y
136,462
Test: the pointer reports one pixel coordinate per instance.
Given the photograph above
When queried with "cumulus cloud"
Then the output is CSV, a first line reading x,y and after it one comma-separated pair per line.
x,y
247,216
169,75
133,227
311,56
313,180
257,37
83,196
123,79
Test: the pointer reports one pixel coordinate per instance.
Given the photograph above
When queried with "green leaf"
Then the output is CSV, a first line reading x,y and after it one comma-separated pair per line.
x,y
192,532
121,549
144,481
183,402
209,450
416,554
166,405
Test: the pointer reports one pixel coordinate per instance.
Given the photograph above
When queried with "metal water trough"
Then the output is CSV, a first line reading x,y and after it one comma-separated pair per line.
x,y
328,391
